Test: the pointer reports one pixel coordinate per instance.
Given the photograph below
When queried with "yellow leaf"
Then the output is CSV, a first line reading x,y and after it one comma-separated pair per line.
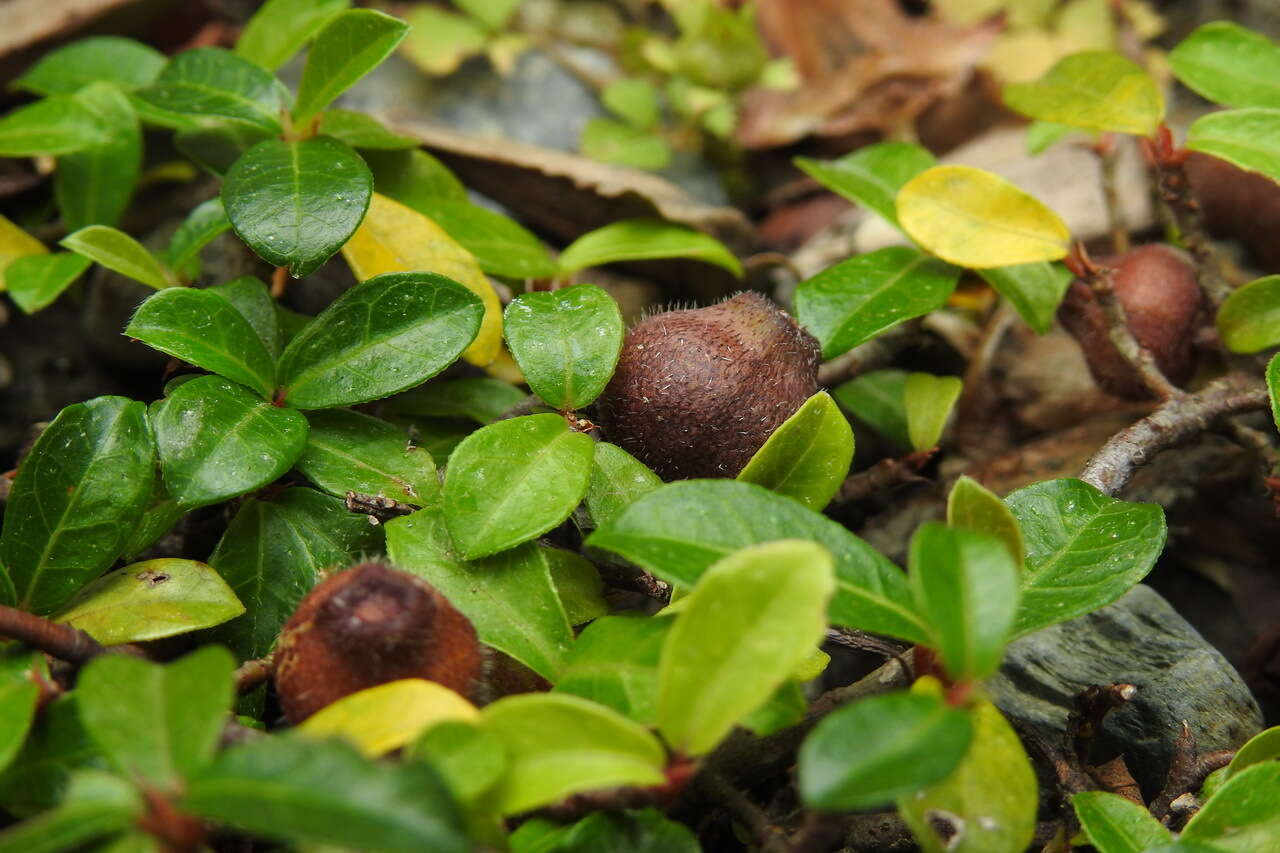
x,y
504,367
16,243
975,219
386,717
395,238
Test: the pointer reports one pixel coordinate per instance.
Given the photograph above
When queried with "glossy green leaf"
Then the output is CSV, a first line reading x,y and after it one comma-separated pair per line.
x,y
55,125
209,82
566,342
644,239
478,398
808,456
469,757
1114,824
217,145
77,495
1034,290
38,777
94,185
1264,746
157,722
382,336
510,597
578,584
513,480
151,600
972,506
987,804
857,299
918,740
347,450
1247,138
1273,388
122,62
19,695
679,530
280,28
117,251
871,176
1084,549
205,329
413,178
272,554
614,661
35,281
1243,816
98,804
363,131
161,513
1249,319
1229,65
500,245
928,401
351,45
296,203
298,790
610,141
250,297
617,480
965,587
1094,90
876,399
559,745
748,623
205,222
218,441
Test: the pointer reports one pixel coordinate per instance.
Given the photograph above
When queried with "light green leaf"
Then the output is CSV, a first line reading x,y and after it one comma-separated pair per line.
x,y
1035,290
808,456
971,506
500,245
1273,388
478,398
35,281
1264,746
566,342
1094,90
55,125
614,661
385,717
93,186
470,758
871,176
347,450
1243,816
1249,319
280,28
1116,825
876,399
351,45
209,82
362,131
633,99
201,226
617,479
578,584
1247,138
117,251
439,40
644,239
928,401
37,780
122,62
19,696
97,804
494,14
620,143
1229,65
1042,135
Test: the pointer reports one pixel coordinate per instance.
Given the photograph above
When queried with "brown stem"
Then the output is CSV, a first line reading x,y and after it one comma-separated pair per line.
x,y
884,474
1181,777
869,356
1177,197
818,833
376,507
1109,161
251,673
768,835
52,638
279,282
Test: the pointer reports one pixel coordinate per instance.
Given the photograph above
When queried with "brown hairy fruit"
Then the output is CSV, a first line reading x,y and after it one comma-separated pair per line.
x,y
697,392
366,626
1157,287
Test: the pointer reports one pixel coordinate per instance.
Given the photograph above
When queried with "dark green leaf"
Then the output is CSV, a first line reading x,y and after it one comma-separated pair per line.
x,y
350,451
566,342
614,661
35,281
479,398
216,145
1248,138
97,805
617,480
1249,319
209,82
578,584
645,831
643,239
808,456
362,131
878,400
158,518
117,251
1243,816
873,175
93,186
123,62
500,245
217,441
37,779
251,298
296,203
1034,290
77,495
1114,824
351,45
56,125
280,28
1229,65
413,178
382,336
201,226
624,144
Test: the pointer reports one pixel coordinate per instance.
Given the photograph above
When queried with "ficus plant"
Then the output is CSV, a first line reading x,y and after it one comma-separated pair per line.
x,y
428,599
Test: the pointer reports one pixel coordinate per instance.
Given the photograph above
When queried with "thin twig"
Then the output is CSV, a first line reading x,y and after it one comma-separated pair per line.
x,y
883,475
379,509
53,638
871,355
251,673
1109,160
768,836
818,833
1178,198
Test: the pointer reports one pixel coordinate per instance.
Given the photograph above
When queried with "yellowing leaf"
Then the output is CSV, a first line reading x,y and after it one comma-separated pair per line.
x,y
504,367
16,243
379,719
975,219
395,238
1096,90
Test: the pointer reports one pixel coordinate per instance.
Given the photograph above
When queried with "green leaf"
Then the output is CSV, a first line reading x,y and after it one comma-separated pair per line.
x,y
151,600
578,584
1244,814
216,145
510,597
209,82
97,805
1042,135
363,131
94,185
876,399
513,480
1034,290
1229,65
58,124
351,45
157,723
1084,549
752,618
633,99
1116,825
217,441
251,298
971,506
122,62
117,251
203,328
871,176
566,342
349,451
646,831
644,239
857,299
1247,138
965,586
439,40
470,759
297,790
1094,90
19,696
1273,387
987,804
280,28
808,456
413,178
1249,319
58,744
928,401
1264,746
272,553
617,480
614,661
296,203
977,219
620,143
918,741
478,398
559,745
494,14
382,336
35,281
201,226
679,530
500,245
77,495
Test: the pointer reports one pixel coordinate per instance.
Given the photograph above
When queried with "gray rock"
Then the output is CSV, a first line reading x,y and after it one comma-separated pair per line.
x,y
1143,641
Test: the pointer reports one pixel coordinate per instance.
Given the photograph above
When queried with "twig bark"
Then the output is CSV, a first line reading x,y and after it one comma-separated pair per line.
x,y
1109,161
768,836
1176,195
251,673
873,354
884,474
52,638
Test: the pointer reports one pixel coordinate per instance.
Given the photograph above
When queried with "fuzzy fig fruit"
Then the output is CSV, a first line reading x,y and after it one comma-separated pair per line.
x,y
366,626
1157,287
697,392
